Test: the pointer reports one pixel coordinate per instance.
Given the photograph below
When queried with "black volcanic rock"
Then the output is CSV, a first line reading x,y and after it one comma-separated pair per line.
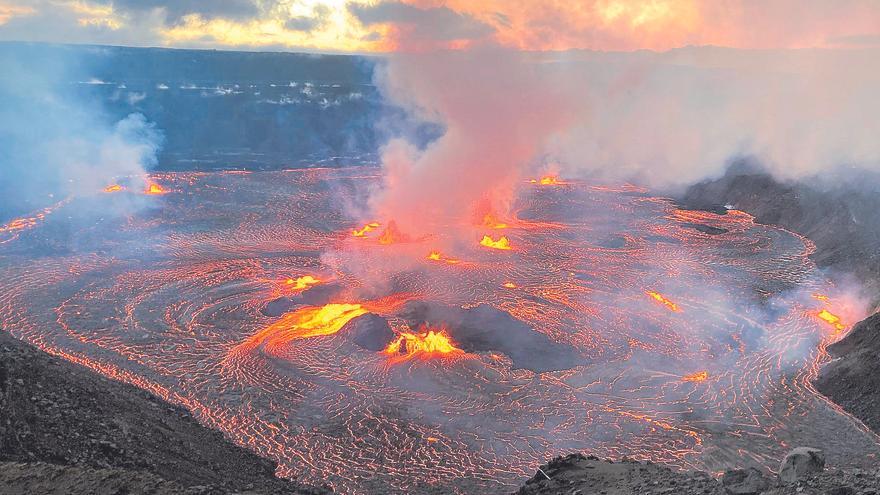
x,y
853,379
369,331
706,229
65,429
577,474
317,295
485,328
279,306
840,218
587,475
749,481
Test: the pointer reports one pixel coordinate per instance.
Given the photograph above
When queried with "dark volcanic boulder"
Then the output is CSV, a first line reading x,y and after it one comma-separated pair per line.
x,y
485,328
801,463
318,295
853,380
277,307
369,331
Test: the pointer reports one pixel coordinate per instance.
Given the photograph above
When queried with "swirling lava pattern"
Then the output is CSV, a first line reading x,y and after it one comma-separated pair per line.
x,y
697,334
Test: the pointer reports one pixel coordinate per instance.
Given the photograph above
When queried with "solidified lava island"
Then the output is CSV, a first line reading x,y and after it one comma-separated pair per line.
x,y
593,317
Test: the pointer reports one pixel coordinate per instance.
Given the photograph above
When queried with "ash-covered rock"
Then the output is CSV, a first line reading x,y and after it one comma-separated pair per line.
x,y
800,464
587,475
26,478
852,380
577,474
485,328
750,481
103,436
840,217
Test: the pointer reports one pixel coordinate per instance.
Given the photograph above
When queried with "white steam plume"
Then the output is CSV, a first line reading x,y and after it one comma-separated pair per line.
x,y
663,119
59,143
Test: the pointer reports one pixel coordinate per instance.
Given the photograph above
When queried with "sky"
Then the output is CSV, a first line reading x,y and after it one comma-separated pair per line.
x,y
382,26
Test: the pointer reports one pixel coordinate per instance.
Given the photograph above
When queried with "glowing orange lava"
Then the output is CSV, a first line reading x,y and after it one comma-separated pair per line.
x,y
154,189
820,297
20,224
700,376
547,180
426,343
310,321
492,222
366,228
113,188
391,234
438,256
301,283
509,285
663,300
831,318
502,243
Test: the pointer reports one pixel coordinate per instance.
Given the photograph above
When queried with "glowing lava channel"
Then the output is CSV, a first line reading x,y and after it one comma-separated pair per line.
x,y
310,321
663,300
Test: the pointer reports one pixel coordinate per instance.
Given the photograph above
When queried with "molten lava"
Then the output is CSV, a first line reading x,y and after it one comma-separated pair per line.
x,y
154,189
366,228
831,318
302,283
438,256
391,234
426,343
502,243
492,222
664,301
310,321
112,188
700,376
509,285
547,180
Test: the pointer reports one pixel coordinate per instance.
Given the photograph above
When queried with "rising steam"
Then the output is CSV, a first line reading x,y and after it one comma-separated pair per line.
x,y
57,142
662,119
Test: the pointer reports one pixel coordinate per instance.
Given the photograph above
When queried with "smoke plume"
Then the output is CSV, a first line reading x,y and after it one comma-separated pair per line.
x,y
662,119
497,111
57,141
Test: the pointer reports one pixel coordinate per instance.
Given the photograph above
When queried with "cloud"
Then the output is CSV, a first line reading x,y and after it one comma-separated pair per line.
x,y
317,20
666,24
433,23
419,25
177,9
82,22
661,119
7,12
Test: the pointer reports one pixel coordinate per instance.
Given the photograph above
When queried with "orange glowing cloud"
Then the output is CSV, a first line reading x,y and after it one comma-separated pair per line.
x,y
8,12
664,24
422,25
